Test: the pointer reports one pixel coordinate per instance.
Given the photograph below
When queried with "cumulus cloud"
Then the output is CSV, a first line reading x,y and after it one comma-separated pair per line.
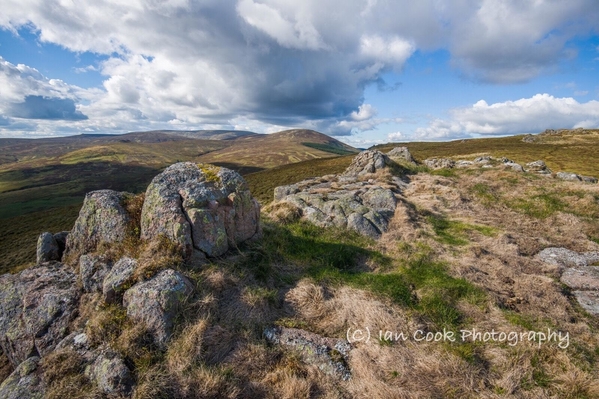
x,y
277,62
395,136
527,115
39,107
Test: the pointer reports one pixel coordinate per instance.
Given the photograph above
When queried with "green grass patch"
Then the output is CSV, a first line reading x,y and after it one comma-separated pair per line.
x,y
485,193
453,232
539,206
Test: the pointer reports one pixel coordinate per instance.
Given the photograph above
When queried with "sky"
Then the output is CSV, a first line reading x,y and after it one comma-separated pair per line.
x,y
362,71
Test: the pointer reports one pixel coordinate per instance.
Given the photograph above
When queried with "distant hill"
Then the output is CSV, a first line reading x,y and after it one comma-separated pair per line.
x,y
205,134
270,150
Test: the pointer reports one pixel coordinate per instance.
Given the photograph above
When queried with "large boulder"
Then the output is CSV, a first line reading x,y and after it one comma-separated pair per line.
x,y
50,247
156,303
92,270
200,207
103,220
401,154
367,162
36,307
25,382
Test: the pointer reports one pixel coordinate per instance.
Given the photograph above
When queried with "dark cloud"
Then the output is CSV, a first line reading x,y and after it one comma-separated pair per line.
x,y
40,107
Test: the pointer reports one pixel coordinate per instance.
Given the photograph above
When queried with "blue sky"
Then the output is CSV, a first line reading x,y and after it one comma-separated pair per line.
x,y
367,72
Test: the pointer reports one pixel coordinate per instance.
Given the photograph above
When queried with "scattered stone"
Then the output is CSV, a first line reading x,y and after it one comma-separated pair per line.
x,y
200,207
330,355
92,271
463,164
564,258
529,138
156,303
589,179
47,248
589,300
102,220
36,307
118,279
24,382
483,160
538,167
366,162
514,166
401,154
439,163
110,374
568,176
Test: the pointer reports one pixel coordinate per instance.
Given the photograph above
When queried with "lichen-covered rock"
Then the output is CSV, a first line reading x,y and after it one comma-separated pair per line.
x,y
156,302
36,307
110,374
538,167
330,355
92,271
200,207
25,382
47,248
563,257
368,161
401,154
516,167
102,220
118,279
568,176
582,278
439,163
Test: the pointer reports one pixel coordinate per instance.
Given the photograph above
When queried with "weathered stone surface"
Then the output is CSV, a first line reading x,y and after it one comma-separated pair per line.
x,y
483,160
589,300
401,154
563,257
47,248
568,176
156,302
439,163
582,278
514,166
362,225
92,271
463,164
538,167
24,382
102,220
110,374
589,179
118,279
205,208
368,161
330,355
36,307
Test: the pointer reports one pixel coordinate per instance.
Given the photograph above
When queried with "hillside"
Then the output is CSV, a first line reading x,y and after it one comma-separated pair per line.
x,y
267,151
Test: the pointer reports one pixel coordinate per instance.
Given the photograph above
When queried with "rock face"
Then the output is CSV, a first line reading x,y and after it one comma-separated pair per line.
x,y
110,374
50,247
565,258
367,162
401,154
118,279
92,270
568,176
36,307
203,208
102,221
156,302
439,163
328,354
24,382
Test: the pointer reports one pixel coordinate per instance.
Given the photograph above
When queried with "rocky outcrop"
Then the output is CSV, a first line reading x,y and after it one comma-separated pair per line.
x,y
102,221
577,274
156,303
92,270
344,200
36,307
200,207
24,382
330,355
401,154
538,167
50,247
575,178
439,163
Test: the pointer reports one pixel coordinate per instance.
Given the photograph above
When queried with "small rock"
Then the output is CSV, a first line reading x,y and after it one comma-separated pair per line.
x,y
92,271
538,167
582,278
514,166
483,160
368,161
24,382
463,164
47,248
568,176
589,179
564,258
111,374
589,300
118,279
156,303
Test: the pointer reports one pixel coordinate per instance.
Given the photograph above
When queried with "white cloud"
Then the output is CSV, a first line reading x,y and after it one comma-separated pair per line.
x,y
395,136
527,115
393,51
